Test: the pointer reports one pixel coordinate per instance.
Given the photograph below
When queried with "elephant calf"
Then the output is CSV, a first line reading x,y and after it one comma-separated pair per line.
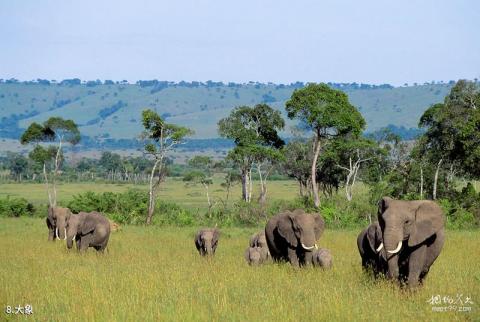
x,y
88,229
322,258
259,240
370,247
256,255
206,241
56,222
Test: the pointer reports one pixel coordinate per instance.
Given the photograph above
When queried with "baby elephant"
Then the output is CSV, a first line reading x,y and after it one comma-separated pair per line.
x,y
256,255
206,241
322,258
89,229
259,240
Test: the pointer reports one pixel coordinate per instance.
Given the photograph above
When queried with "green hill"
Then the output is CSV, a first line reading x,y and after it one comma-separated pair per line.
x,y
113,110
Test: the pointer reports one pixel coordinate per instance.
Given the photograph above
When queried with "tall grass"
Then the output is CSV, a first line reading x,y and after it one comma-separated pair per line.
x,y
155,274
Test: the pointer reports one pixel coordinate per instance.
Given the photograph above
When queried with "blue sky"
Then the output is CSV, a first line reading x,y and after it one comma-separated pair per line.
x,y
278,41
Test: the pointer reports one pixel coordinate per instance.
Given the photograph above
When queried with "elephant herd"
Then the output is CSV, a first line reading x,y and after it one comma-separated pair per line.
x,y
402,245
87,229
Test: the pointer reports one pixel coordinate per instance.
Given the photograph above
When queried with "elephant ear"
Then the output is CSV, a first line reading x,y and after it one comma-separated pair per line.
x,y
319,226
216,236
371,236
198,242
383,205
285,229
428,221
88,224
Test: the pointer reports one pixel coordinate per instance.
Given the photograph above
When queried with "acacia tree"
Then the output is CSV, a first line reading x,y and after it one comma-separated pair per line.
x,y
328,114
453,131
255,134
57,131
160,139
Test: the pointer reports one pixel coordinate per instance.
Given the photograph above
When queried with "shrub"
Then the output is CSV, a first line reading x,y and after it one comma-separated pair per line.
x,y
16,207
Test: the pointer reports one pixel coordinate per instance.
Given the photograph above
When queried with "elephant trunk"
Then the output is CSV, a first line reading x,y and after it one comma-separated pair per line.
x,y
208,248
70,242
308,242
61,230
392,246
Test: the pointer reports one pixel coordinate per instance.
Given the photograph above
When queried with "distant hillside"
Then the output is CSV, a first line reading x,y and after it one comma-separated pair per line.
x,y
112,110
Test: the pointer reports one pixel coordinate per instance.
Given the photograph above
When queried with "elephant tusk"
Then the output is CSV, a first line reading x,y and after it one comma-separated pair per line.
x,y
65,234
307,248
396,250
56,233
316,246
379,247
73,238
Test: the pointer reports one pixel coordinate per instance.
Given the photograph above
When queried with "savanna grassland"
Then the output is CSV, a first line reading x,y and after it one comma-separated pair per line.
x,y
155,274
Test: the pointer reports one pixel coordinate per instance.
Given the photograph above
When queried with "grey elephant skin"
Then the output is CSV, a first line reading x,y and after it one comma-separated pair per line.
x,y
256,255
260,240
88,229
292,236
322,258
57,222
413,237
206,241
370,247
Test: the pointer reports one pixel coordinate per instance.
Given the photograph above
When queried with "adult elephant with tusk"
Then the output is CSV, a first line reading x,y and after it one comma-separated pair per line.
x,y
413,237
292,236
56,222
88,229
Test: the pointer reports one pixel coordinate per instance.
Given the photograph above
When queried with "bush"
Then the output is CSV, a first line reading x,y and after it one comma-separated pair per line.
x,y
16,207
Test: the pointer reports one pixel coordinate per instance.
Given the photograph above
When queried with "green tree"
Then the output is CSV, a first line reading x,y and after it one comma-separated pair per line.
x,y
57,131
328,114
453,132
255,133
160,139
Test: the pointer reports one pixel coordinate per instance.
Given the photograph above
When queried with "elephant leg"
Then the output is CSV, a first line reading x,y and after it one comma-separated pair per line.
x,y
85,242
307,258
51,231
292,257
415,266
78,243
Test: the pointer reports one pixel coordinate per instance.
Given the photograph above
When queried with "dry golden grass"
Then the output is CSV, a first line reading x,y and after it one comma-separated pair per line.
x,y
155,274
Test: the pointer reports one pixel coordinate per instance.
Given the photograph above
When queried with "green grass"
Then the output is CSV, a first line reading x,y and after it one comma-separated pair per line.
x,y
155,274
173,190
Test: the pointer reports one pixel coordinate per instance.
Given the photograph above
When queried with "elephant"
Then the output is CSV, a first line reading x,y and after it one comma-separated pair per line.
x,y
88,229
256,255
292,236
413,237
259,240
56,222
206,241
322,258
370,247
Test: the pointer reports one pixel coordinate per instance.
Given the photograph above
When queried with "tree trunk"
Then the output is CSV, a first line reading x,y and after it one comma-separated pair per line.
x,y
151,193
250,185
421,181
316,147
435,181
50,203
208,197
245,185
